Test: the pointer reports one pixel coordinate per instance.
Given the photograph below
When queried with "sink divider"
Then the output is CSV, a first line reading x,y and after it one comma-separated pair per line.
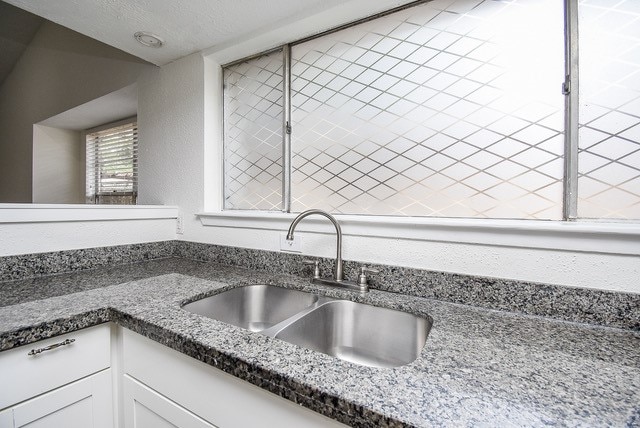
x,y
277,328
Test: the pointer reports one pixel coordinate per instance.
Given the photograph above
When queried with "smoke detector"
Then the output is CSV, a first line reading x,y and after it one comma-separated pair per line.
x,y
148,39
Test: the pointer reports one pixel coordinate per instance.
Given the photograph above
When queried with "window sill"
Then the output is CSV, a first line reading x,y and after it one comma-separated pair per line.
x,y
583,236
45,213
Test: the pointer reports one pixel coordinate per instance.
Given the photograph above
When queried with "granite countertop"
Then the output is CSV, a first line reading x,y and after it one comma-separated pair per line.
x,y
479,366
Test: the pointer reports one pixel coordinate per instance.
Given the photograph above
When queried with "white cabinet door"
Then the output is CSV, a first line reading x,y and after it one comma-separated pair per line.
x,y
82,404
145,408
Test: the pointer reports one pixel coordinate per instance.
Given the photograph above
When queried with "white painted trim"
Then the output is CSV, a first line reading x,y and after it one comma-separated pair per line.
x,y
595,237
50,213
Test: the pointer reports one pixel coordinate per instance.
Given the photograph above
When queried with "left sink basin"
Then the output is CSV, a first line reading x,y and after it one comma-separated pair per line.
x,y
253,307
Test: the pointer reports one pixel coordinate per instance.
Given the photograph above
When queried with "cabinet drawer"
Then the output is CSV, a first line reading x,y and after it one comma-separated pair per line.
x,y
25,376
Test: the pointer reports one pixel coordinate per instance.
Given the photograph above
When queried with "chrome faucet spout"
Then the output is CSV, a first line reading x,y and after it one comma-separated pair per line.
x,y
338,272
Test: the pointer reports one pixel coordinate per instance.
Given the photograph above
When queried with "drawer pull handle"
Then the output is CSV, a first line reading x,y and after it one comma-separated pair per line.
x,y
50,347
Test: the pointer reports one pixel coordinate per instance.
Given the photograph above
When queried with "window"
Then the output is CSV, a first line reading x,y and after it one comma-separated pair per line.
x,y
444,109
253,106
112,165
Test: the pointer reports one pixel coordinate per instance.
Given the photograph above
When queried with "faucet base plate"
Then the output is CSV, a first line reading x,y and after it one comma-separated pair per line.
x,y
350,285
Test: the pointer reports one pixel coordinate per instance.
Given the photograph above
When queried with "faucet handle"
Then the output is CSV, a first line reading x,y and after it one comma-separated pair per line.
x,y
362,277
316,269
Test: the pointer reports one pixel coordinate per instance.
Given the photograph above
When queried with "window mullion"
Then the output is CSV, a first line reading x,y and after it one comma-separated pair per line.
x,y
570,88
286,129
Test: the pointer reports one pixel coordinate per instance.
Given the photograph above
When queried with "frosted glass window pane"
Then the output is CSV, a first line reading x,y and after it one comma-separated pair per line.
x,y
445,109
609,113
253,111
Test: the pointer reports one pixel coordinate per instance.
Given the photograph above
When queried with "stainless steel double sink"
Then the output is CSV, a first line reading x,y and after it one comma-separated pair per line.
x,y
355,332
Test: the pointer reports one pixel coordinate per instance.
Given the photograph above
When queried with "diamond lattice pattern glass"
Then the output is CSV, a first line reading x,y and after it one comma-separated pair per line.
x,y
253,134
450,108
609,112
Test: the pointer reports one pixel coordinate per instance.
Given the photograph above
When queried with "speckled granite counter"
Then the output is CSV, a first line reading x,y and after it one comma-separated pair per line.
x,y
479,367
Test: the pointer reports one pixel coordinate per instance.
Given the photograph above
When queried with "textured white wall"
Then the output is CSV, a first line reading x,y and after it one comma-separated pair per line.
x,y
57,166
171,137
180,114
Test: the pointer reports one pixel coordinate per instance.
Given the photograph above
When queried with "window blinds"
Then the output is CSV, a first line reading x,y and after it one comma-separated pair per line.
x,y
112,165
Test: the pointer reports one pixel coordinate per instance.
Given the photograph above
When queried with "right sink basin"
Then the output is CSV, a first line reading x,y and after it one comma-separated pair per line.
x,y
362,334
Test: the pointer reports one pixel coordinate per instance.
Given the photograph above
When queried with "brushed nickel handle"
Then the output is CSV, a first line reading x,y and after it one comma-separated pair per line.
x,y
50,347
362,277
316,267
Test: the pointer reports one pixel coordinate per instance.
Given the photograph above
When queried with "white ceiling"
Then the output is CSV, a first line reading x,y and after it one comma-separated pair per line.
x,y
186,26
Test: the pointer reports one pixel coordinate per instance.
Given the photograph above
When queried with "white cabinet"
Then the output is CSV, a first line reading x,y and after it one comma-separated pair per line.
x,y
206,394
64,381
145,408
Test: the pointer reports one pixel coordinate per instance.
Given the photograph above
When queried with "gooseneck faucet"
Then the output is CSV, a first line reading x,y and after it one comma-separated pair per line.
x,y
338,272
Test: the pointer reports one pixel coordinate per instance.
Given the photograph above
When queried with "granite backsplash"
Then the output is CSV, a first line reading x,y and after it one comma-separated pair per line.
x,y
584,305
